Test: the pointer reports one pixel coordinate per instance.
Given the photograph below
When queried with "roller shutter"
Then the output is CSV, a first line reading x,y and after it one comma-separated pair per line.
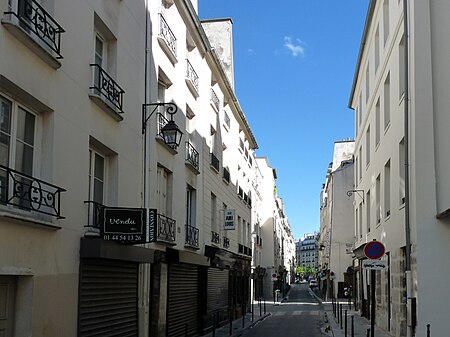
x,y
217,290
108,298
183,300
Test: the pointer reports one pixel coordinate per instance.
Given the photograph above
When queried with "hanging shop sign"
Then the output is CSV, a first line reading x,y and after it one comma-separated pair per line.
x,y
128,225
229,219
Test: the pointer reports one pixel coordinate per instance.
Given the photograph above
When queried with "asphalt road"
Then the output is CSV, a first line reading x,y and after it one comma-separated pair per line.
x,y
299,316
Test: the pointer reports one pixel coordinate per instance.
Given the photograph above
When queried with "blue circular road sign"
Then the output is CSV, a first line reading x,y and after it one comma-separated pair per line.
x,y
374,250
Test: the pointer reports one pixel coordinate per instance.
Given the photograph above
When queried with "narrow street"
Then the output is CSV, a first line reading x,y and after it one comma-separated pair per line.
x,y
298,316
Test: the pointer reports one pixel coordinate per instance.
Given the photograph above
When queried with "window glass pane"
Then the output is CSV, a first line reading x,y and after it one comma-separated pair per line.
x,y
99,167
5,115
25,127
98,191
24,158
98,51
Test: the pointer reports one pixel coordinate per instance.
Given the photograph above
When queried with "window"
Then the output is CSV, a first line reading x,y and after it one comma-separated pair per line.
x,y
377,123
214,226
377,49
360,219
387,189
17,144
367,82
190,206
356,168
401,169
17,132
360,163
377,199
97,177
387,101
401,67
368,211
360,107
163,191
368,146
385,20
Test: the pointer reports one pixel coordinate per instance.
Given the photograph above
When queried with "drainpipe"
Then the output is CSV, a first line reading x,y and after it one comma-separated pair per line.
x,y
408,276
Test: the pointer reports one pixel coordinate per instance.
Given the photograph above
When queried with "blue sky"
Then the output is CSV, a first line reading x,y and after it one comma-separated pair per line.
x,y
294,65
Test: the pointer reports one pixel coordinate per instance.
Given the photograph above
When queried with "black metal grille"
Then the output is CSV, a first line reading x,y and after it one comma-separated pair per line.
x,y
191,75
215,162
226,175
95,214
192,236
226,242
215,237
28,193
166,229
34,18
192,155
166,33
105,86
215,100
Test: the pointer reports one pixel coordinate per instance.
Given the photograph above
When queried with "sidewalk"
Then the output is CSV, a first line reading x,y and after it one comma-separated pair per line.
x,y
237,328
361,324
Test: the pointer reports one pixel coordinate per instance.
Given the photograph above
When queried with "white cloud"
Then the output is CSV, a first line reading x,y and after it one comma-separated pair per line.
x,y
295,47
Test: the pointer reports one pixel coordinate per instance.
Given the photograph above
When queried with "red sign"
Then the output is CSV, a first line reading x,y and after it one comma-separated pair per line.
x,y
374,250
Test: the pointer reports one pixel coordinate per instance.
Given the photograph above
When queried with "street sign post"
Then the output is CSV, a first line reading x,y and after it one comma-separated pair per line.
x,y
373,250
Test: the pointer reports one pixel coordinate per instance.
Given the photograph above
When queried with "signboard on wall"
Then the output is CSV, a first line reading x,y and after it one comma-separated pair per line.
x,y
229,219
127,225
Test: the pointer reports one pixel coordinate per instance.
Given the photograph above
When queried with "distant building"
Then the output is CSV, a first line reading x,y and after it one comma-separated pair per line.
x,y
307,251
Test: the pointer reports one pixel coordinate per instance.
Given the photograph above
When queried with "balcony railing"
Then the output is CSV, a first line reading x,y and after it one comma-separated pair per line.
x,y
215,237
241,145
240,248
166,229
240,192
28,193
215,100
106,87
226,119
168,36
95,214
226,175
192,236
215,162
226,242
192,155
34,18
191,75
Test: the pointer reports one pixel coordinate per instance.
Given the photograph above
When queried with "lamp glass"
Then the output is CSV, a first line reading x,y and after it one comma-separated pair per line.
x,y
171,134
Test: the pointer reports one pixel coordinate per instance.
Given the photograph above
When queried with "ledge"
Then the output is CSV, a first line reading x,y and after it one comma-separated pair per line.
x,y
19,218
167,50
23,36
105,106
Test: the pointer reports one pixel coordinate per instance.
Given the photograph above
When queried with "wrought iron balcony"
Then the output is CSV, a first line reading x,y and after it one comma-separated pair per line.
x,y
167,35
166,229
28,193
215,237
240,248
192,156
95,214
226,119
215,162
241,145
105,86
215,100
191,77
226,242
240,192
33,18
226,175
192,236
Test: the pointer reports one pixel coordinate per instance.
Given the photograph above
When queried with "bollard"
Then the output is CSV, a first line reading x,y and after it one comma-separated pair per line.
x,y
231,325
264,306
340,309
214,326
345,325
337,311
428,330
353,327
368,332
243,319
253,318
260,308
186,330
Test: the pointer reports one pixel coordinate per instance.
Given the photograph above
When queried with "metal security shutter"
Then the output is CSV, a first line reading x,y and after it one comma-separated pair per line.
x,y
183,300
217,290
108,298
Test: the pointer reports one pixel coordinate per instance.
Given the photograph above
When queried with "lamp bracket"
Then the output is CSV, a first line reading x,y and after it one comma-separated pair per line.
x,y
171,109
359,192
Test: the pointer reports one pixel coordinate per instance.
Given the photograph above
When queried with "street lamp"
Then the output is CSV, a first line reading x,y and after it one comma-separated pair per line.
x,y
171,134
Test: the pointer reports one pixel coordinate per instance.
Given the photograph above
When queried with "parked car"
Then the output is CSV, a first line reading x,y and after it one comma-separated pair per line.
x,y
313,284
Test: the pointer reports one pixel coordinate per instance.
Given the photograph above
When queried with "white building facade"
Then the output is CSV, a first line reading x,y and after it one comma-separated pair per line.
x,y
401,161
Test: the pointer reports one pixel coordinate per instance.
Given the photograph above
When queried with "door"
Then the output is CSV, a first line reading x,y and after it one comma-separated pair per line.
x,y
7,294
